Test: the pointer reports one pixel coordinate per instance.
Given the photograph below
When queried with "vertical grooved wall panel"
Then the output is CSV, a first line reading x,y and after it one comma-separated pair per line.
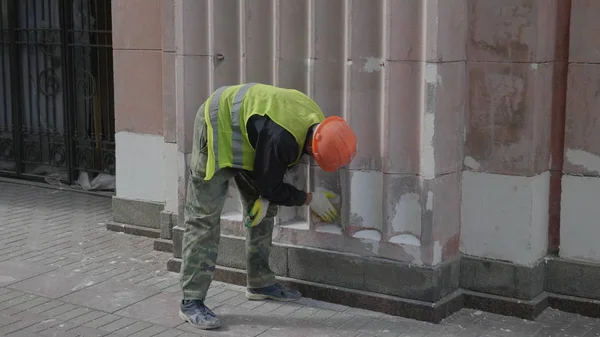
x,y
257,32
373,62
226,41
363,82
292,44
328,21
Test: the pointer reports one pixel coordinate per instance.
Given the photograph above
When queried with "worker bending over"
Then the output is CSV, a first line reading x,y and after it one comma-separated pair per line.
x,y
252,133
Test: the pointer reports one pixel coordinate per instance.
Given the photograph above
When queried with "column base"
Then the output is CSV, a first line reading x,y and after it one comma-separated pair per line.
x,y
433,312
392,305
337,269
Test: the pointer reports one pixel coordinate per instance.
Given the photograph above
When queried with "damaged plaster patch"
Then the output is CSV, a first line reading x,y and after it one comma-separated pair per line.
x,y
407,214
431,74
367,198
411,245
589,161
471,163
427,159
332,229
373,64
405,239
429,205
301,225
369,236
427,150
437,253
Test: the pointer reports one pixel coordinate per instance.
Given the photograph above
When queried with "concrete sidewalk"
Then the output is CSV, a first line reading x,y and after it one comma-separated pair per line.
x,y
63,274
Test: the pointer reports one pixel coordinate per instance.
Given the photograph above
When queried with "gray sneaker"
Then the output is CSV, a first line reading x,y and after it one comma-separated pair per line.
x,y
275,292
198,315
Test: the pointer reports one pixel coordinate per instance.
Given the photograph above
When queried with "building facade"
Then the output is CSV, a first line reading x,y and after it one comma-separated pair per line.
x,y
478,122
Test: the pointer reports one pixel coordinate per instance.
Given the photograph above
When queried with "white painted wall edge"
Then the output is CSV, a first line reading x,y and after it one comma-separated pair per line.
x,y
170,176
140,168
579,219
505,217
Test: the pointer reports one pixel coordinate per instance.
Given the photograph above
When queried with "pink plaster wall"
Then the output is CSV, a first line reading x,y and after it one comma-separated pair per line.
x,y
431,87
510,69
395,69
168,70
138,69
582,138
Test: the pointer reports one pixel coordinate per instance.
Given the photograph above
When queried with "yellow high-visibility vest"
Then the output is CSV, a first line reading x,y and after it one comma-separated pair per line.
x,y
228,110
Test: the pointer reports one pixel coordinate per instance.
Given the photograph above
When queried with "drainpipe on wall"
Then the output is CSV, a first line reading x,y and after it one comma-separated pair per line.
x,y
557,133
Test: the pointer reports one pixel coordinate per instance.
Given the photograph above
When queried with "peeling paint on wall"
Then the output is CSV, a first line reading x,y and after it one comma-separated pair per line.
x,y
332,229
300,225
366,199
471,163
405,239
373,64
437,253
589,161
429,205
411,245
427,159
369,236
407,214
431,74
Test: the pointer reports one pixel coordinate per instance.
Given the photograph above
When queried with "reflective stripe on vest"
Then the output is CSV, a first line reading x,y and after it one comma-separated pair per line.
x,y
236,144
214,121
237,140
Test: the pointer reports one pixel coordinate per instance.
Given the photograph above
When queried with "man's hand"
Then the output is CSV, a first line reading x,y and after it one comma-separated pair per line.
x,y
320,204
257,213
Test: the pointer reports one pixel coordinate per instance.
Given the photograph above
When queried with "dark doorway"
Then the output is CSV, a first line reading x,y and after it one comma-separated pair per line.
x,y
56,91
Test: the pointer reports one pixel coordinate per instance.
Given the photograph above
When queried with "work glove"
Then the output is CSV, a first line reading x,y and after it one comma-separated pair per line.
x,y
321,205
257,213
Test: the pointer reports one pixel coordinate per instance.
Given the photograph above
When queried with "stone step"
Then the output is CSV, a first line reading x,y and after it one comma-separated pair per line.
x,y
392,305
133,230
163,245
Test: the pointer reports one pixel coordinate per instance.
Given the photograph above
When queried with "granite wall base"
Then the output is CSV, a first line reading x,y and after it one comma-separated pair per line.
x,y
137,212
397,288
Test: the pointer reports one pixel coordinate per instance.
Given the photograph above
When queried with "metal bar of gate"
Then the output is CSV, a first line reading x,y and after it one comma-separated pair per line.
x,y
16,83
66,22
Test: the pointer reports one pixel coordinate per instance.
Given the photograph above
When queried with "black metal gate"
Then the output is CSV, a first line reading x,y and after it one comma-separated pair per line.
x,y
56,90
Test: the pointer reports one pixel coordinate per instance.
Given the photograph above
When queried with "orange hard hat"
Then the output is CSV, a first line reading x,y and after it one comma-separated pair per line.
x,y
333,144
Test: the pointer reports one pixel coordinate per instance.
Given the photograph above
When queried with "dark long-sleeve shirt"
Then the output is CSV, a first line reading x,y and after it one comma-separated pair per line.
x,y
276,148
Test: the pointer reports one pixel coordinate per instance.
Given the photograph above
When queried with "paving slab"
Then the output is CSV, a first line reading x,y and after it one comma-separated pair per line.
x,y
15,271
53,284
159,309
110,296
63,274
